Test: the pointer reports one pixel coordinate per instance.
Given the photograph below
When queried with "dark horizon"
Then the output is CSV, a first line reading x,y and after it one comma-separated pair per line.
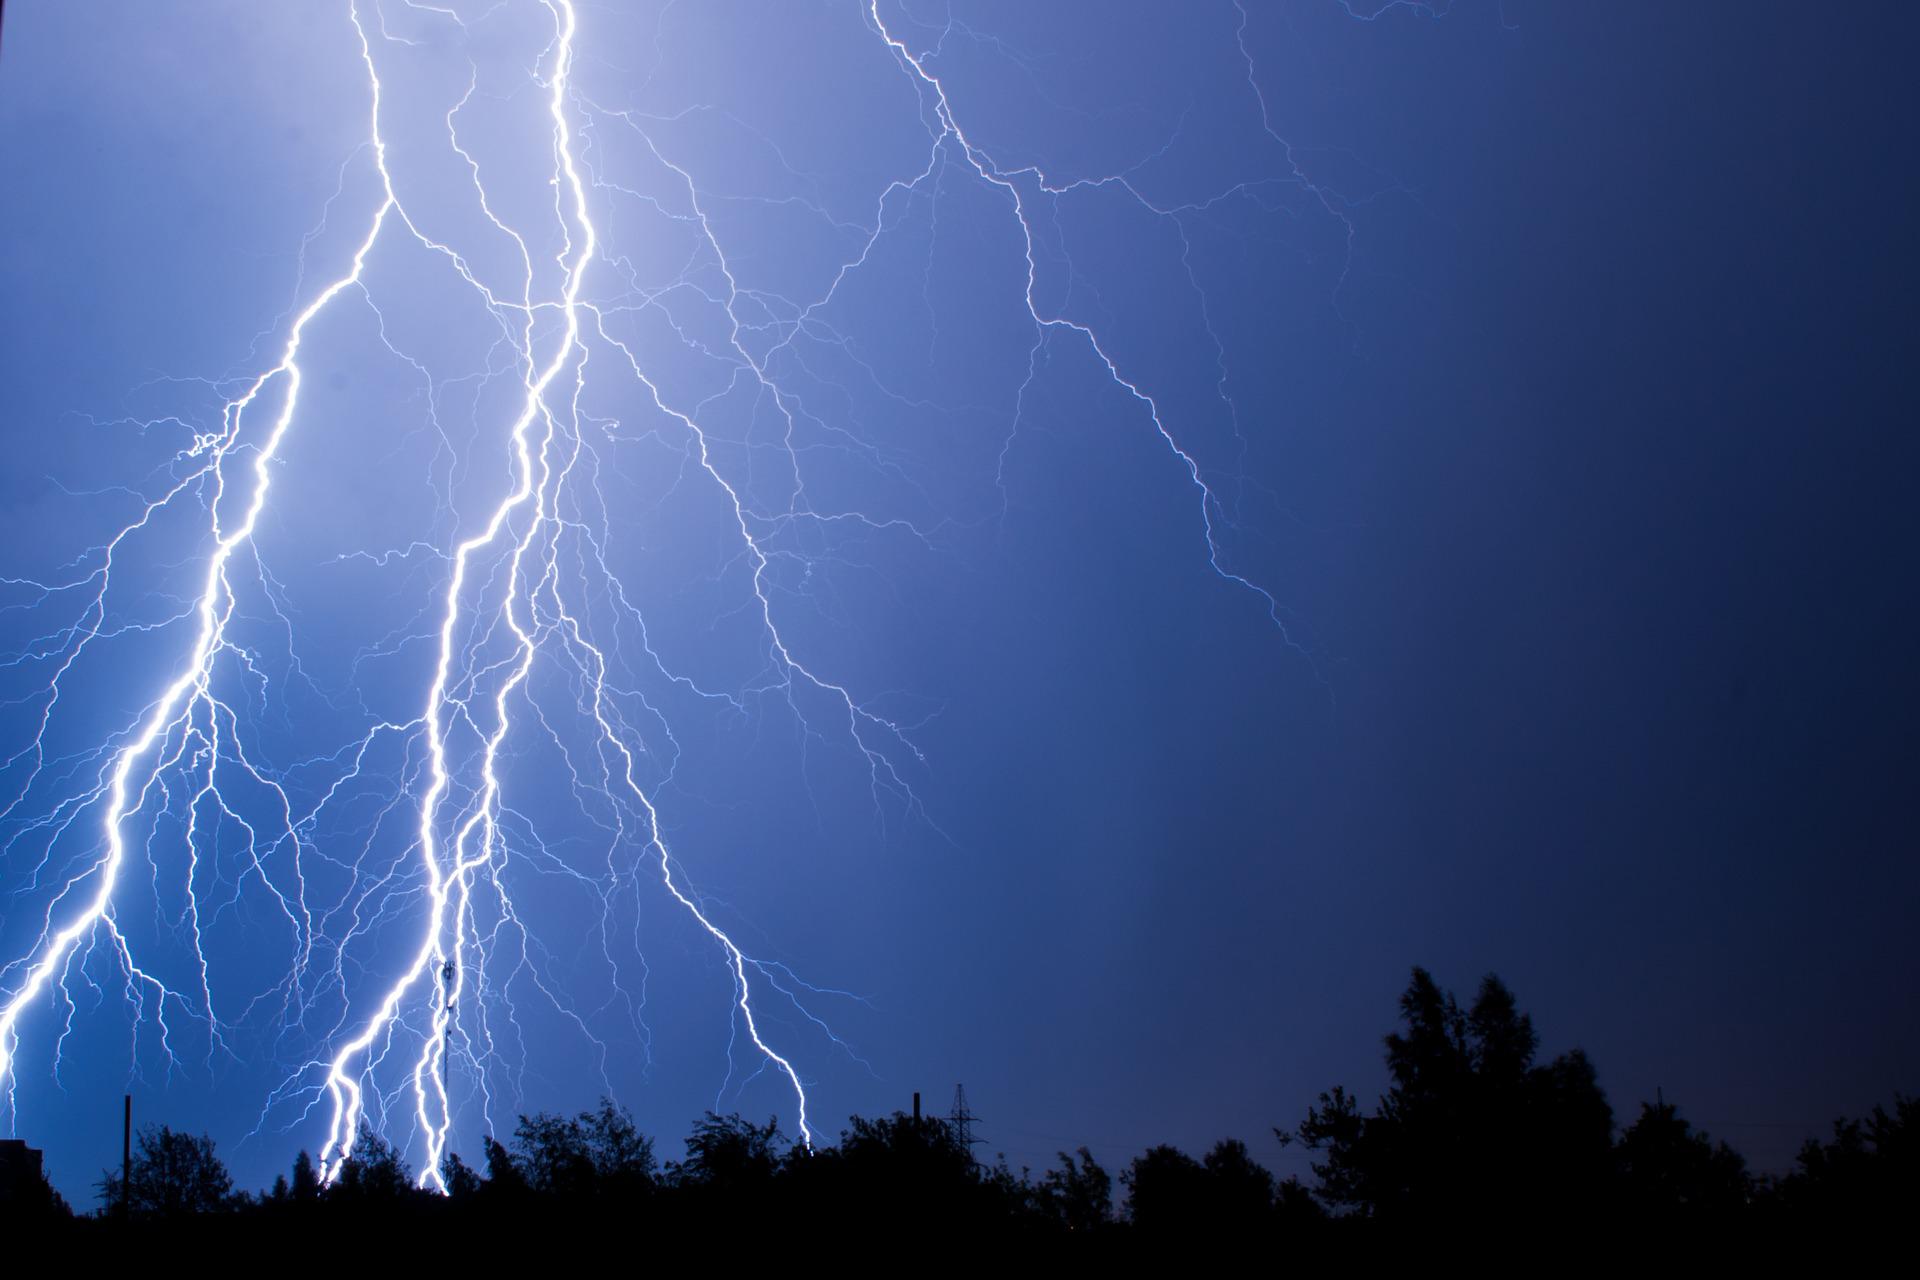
x,y
1479,1127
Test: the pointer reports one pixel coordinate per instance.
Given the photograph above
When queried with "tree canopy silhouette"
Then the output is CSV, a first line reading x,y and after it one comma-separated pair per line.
x,y
172,1175
1867,1173
729,1154
1077,1194
595,1154
1474,1130
1470,1120
1669,1169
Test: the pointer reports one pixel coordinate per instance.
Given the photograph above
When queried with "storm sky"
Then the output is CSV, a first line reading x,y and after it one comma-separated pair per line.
x,y
1546,367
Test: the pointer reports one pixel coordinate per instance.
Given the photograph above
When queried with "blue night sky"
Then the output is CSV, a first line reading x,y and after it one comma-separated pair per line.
x,y
1548,608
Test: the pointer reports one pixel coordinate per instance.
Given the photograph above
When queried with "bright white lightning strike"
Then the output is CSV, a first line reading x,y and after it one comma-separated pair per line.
x,y
508,579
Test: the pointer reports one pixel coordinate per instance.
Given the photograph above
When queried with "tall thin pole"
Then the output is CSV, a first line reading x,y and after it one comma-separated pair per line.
x,y
126,1158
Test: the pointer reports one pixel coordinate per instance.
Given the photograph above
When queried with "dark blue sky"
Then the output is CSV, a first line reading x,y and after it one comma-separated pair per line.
x,y
1563,421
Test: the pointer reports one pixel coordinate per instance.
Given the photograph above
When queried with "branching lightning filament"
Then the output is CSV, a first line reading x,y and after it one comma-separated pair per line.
x,y
388,861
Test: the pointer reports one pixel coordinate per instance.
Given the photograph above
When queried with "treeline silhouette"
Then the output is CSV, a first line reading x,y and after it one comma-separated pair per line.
x,y
1474,1131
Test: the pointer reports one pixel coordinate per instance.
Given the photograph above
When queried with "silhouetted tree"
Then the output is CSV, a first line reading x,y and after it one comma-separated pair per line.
x,y
1166,1189
1867,1174
459,1178
910,1151
173,1175
891,1172
506,1184
1239,1191
623,1160
374,1174
1170,1192
1339,1128
1078,1195
551,1150
579,1157
729,1153
1294,1207
306,1179
1470,1125
1669,1170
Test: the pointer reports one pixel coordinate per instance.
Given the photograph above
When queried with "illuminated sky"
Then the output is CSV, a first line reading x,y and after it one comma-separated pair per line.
x,y
1338,491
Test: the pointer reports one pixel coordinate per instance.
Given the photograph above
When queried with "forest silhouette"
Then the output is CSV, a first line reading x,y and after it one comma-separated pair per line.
x,y
1473,1131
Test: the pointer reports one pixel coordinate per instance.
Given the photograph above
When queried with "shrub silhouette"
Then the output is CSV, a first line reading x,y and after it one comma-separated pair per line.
x,y
172,1175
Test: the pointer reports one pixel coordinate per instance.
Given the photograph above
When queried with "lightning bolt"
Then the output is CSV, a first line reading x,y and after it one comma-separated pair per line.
x,y
523,594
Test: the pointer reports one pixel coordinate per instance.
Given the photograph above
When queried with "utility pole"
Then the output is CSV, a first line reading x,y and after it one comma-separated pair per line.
x,y
916,1106
126,1158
